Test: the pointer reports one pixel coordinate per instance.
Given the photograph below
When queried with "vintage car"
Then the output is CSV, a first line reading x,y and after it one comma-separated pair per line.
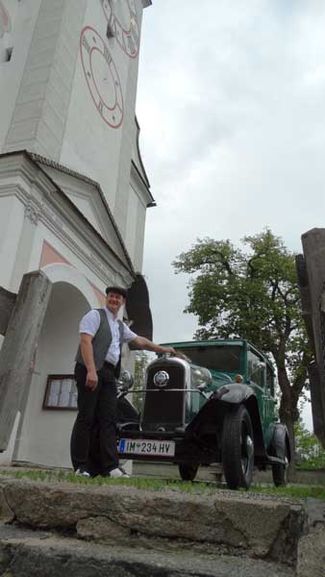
x,y
214,403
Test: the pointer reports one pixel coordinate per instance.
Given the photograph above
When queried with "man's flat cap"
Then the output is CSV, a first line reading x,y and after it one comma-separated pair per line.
x,y
117,289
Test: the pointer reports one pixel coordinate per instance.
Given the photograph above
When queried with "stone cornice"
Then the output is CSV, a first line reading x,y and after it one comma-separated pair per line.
x,y
146,196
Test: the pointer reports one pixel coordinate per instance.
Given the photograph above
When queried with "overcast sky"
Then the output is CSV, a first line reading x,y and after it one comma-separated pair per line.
x,y
231,104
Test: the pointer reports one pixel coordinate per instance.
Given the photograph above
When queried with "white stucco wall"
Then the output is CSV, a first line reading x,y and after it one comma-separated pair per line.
x,y
135,223
7,456
11,222
93,146
22,18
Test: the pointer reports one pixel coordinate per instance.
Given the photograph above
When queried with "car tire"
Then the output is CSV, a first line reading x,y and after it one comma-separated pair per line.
x,y
187,472
280,472
238,448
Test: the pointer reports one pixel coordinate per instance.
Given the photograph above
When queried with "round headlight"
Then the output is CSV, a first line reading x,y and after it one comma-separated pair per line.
x,y
125,380
201,378
161,379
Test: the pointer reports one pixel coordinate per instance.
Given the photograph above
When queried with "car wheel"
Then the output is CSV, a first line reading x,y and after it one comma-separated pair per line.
x,y
187,472
238,448
280,472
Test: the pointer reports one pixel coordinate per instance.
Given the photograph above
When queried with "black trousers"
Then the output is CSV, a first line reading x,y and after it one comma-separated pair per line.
x,y
93,439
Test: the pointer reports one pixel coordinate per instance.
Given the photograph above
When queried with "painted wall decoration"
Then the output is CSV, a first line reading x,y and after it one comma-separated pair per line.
x,y
99,68
5,25
122,19
101,76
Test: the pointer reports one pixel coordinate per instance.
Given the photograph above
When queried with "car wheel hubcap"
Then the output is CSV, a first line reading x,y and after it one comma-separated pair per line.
x,y
247,453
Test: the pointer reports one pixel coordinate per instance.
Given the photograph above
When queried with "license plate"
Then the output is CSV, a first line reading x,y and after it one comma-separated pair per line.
x,y
147,447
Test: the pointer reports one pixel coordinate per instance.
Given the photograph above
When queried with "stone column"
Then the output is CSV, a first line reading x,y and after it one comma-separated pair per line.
x,y
18,349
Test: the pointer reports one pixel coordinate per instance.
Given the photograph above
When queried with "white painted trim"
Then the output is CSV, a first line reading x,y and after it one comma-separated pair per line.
x,y
70,275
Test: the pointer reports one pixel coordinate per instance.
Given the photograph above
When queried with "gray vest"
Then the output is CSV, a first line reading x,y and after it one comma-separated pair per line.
x,y
101,343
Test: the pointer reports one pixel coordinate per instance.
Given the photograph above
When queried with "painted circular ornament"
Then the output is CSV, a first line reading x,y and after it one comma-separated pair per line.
x,y
101,76
122,21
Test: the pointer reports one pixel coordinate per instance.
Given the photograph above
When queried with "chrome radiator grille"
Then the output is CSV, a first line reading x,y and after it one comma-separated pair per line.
x,y
163,407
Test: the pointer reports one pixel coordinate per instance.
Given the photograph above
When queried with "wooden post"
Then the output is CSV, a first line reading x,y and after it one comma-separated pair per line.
x,y
18,349
313,243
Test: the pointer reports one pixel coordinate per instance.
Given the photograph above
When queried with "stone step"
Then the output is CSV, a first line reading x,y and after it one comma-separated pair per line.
x,y
214,532
27,553
238,522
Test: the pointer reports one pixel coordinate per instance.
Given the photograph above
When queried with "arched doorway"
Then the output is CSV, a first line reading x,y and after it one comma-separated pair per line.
x,y
44,434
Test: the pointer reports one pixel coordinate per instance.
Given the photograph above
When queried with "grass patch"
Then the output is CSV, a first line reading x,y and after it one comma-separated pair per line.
x,y
293,491
55,476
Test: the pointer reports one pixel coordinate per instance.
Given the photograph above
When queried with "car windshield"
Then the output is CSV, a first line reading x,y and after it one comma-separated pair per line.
x,y
218,358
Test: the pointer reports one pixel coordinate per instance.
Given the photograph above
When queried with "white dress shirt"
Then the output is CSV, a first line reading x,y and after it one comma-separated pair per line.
x,y
89,324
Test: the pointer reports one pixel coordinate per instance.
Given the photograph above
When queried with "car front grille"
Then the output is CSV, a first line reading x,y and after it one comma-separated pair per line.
x,y
163,408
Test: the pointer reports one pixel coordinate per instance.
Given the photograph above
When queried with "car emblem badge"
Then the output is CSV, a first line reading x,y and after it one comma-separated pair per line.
x,y
161,379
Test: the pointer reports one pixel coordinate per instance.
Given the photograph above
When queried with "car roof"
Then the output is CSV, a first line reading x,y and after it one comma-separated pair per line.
x,y
219,342
206,343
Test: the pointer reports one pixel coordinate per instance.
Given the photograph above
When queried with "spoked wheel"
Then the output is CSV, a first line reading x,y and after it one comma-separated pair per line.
x,y
238,448
280,472
187,472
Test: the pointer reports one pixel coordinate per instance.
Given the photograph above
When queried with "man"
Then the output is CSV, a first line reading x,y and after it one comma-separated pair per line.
x,y
98,363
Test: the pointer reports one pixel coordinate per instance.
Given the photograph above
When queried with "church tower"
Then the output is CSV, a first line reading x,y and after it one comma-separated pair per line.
x,y
68,78
73,189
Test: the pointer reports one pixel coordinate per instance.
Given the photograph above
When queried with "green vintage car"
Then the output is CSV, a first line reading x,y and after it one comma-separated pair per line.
x,y
214,403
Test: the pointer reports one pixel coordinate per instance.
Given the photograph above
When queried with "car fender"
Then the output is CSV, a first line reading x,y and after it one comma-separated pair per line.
x,y
234,393
214,409
126,412
223,400
280,439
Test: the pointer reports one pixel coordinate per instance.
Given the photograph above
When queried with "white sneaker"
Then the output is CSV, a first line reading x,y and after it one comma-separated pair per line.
x,y
118,472
82,473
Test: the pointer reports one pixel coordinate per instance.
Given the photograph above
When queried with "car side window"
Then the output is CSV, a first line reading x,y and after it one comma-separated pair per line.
x,y
256,369
270,380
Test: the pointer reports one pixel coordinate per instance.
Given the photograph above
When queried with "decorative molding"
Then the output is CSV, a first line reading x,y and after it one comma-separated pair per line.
x,y
31,213
64,170
45,203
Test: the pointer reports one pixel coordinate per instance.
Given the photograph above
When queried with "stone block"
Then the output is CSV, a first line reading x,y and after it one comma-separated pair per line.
x,y
311,554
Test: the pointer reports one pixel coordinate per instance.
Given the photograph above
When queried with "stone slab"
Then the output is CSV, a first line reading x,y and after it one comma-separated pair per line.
x,y
311,546
216,521
26,553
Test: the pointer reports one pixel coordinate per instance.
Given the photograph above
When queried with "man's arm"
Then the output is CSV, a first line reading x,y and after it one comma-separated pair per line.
x,y
87,353
145,344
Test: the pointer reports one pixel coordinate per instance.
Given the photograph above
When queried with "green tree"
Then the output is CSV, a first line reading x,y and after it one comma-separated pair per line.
x,y
309,452
252,294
